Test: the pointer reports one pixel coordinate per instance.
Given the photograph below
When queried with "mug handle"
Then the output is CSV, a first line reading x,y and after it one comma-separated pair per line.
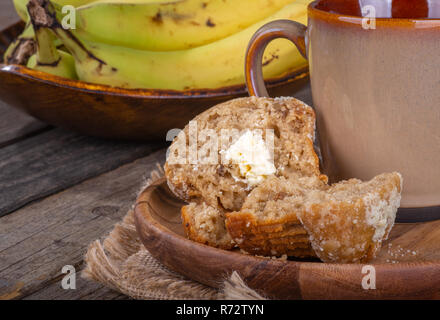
x,y
288,29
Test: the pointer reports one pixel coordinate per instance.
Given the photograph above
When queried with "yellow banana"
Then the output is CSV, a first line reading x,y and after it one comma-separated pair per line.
x,y
65,66
20,8
49,59
169,25
210,66
21,48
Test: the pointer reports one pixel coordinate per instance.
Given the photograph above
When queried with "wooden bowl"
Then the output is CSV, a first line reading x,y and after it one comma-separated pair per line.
x,y
104,111
405,276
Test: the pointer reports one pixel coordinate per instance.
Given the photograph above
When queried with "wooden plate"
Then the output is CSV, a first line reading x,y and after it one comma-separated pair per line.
x,y
105,111
407,267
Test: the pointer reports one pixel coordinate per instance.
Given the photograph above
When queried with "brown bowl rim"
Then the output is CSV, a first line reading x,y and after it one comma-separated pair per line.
x,y
22,71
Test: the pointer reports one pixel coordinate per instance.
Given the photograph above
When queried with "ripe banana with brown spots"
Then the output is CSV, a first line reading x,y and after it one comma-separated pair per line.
x,y
23,47
21,9
169,25
214,65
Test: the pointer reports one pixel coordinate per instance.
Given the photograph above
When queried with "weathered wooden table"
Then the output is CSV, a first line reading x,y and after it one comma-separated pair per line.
x,y
58,192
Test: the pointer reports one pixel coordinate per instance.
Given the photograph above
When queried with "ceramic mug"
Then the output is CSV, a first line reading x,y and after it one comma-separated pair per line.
x,y
375,79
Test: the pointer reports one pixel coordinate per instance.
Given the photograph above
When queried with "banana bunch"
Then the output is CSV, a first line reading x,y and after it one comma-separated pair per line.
x,y
22,50
161,44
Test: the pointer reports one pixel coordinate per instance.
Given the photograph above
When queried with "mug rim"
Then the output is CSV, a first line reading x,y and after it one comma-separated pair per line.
x,y
339,18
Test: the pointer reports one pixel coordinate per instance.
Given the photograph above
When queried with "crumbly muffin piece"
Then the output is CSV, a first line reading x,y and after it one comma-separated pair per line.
x,y
346,222
267,224
206,224
221,183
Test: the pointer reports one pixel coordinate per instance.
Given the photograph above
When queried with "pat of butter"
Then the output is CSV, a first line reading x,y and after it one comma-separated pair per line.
x,y
253,158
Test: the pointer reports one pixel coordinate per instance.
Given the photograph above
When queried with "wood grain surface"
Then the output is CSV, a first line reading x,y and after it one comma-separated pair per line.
x,y
23,126
38,240
55,160
67,200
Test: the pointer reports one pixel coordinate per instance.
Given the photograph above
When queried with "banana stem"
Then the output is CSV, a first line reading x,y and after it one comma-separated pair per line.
x,y
22,48
47,53
43,17
72,43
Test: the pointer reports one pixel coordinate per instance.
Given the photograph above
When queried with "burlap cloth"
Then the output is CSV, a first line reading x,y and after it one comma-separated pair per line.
x,y
123,264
